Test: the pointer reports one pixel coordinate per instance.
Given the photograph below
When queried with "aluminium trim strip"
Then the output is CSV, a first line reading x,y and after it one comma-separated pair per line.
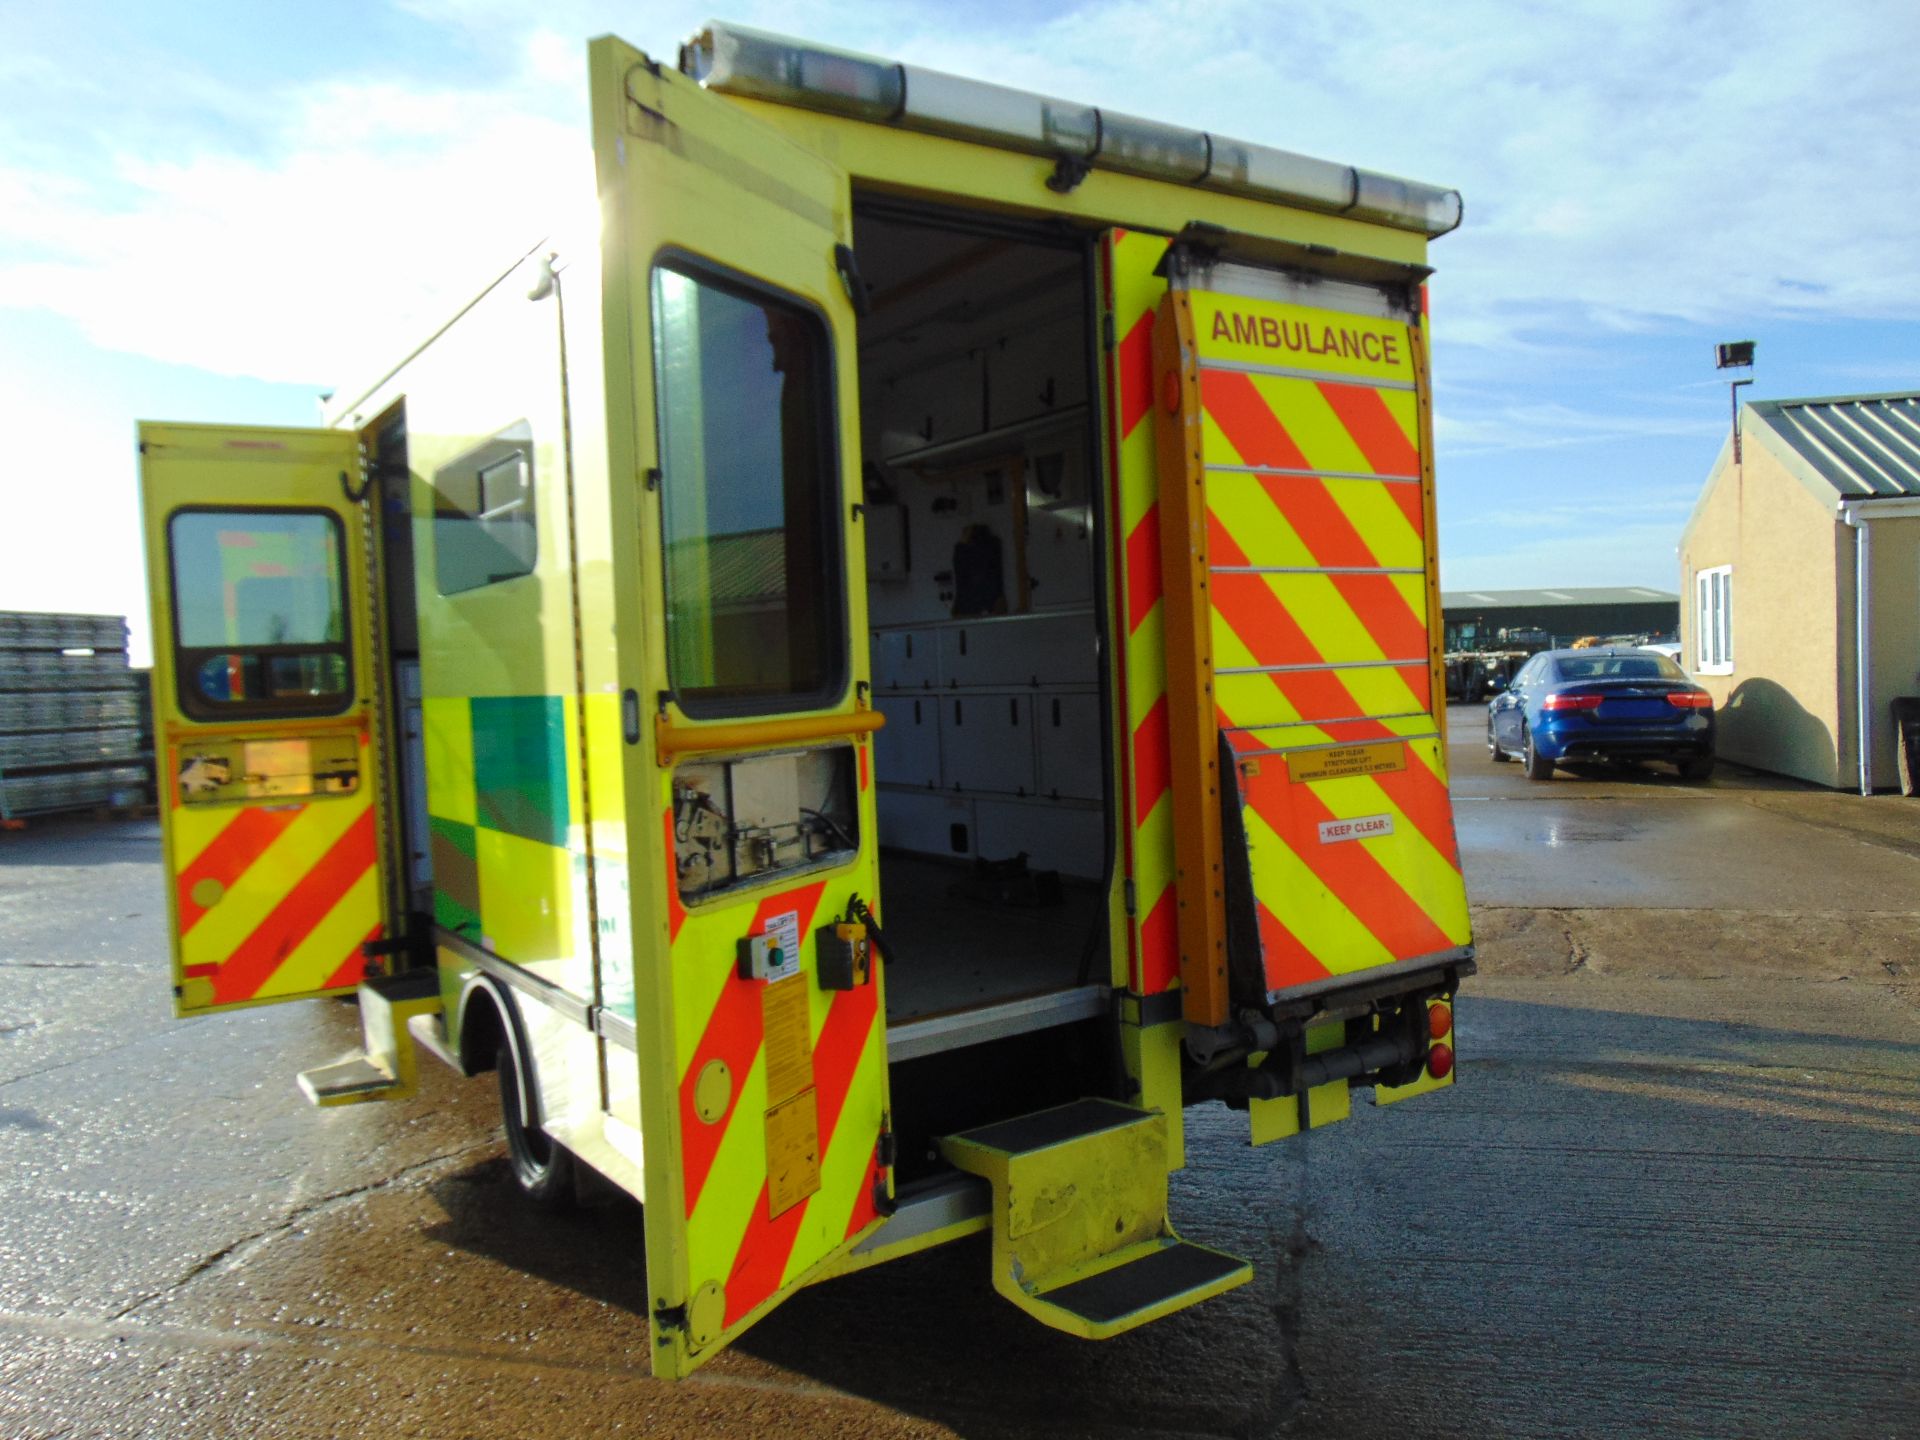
x,y
1318,569
1322,724
954,1029
1298,372
1419,660
1332,745
582,1012
1213,468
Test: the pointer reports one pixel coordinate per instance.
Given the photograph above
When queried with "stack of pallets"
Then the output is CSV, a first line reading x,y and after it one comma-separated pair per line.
x,y
74,731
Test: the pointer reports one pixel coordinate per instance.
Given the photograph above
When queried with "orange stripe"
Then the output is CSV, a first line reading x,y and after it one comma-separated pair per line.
x,y
1159,945
1247,421
676,912
733,1036
1255,614
1284,959
768,1244
1152,761
1423,799
1323,527
1143,568
353,969
226,859
1373,428
1135,366
1380,605
247,970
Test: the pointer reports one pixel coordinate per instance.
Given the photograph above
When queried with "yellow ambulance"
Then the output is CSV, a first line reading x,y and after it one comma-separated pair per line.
x,y
861,690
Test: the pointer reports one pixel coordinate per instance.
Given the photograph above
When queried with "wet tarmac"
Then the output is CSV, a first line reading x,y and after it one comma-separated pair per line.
x,y
1675,1192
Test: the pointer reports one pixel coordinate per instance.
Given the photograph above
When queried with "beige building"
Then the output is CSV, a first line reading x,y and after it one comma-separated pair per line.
x,y
1800,586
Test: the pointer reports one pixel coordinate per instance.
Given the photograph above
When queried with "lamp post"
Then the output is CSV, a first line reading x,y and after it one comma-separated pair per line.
x,y
1735,355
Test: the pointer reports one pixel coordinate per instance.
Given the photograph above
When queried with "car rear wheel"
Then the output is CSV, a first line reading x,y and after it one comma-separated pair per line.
x,y
542,1167
1701,769
1538,766
1494,751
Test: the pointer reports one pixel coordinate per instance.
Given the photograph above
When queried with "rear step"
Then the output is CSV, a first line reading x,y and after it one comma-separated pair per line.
x,y
1080,1234
387,1068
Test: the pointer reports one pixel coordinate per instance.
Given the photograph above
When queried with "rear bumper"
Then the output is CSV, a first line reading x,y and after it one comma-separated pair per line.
x,y
1583,740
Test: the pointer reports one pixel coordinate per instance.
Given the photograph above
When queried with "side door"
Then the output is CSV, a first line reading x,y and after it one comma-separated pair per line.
x,y
264,710
761,1047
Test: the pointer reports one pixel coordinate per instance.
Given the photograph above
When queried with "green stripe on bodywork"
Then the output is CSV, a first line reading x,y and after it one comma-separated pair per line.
x,y
520,766
456,876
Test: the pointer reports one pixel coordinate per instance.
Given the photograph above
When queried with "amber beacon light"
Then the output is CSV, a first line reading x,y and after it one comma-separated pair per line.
x,y
751,63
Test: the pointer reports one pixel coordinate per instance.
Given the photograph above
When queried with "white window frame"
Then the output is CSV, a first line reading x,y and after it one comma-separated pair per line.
x,y
1713,620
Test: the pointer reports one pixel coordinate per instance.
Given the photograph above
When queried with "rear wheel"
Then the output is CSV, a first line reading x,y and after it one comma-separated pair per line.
x,y
542,1168
1700,769
1494,752
1538,766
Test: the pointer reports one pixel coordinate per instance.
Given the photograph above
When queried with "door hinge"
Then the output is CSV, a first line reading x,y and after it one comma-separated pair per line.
x,y
670,1317
859,294
651,477
1127,894
884,1149
1106,331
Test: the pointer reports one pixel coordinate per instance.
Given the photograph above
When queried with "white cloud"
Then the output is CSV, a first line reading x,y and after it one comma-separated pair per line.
x,y
1625,165
374,211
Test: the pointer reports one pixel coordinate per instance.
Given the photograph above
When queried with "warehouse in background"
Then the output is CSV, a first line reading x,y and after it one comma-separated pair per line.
x,y
75,728
1489,620
1801,561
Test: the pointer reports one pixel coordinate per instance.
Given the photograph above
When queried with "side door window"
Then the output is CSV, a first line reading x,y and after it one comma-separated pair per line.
x,y
260,615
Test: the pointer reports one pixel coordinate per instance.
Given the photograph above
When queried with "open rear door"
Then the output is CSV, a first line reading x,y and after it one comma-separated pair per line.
x,y
265,711
1314,835
760,1046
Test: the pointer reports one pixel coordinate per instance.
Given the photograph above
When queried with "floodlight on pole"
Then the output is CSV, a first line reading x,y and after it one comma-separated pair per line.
x,y
1735,355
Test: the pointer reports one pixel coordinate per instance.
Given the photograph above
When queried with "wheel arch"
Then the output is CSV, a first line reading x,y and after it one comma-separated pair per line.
x,y
489,1015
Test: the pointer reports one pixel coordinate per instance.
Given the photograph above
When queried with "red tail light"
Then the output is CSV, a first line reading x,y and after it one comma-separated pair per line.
x,y
1440,1061
1690,699
1572,702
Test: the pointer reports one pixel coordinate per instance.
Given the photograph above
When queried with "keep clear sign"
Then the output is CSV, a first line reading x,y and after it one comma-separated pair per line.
x,y
1361,827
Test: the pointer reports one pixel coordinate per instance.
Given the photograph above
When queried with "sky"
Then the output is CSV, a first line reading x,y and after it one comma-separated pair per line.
x,y
214,212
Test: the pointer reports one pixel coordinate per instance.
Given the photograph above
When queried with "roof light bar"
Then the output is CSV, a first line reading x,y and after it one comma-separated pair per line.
x,y
738,61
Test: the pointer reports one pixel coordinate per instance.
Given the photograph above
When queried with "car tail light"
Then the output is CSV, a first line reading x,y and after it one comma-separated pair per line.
x,y
1690,699
1440,1061
1572,702
1439,1020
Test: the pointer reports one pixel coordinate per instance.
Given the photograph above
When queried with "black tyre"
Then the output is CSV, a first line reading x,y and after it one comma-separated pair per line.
x,y
542,1168
1538,766
1494,752
1696,770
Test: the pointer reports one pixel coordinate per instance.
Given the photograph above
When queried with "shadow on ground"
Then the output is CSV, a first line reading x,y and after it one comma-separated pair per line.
x,y
1614,1213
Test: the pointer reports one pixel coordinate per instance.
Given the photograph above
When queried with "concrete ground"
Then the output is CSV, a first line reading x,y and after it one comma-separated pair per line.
x,y
1677,1190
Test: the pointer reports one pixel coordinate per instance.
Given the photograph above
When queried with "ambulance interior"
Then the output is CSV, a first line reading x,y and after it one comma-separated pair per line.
x,y
991,771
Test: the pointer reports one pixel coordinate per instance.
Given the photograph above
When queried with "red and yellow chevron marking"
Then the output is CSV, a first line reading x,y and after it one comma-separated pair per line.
x,y
1332,908
1132,296
1317,602
731,1238
273,901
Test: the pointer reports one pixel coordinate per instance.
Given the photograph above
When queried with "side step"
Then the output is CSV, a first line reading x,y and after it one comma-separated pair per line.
x,y
387,1068
1080,1234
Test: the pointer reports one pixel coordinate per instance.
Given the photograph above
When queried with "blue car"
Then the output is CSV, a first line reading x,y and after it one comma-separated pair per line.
x,y
1566,706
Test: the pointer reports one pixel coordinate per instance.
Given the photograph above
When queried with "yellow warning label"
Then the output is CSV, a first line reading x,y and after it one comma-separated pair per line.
x,y
1344,760
793,1152
789,1038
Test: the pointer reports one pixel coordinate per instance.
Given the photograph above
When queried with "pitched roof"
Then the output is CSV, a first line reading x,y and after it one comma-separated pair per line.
x,y
1559,597
1856,447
